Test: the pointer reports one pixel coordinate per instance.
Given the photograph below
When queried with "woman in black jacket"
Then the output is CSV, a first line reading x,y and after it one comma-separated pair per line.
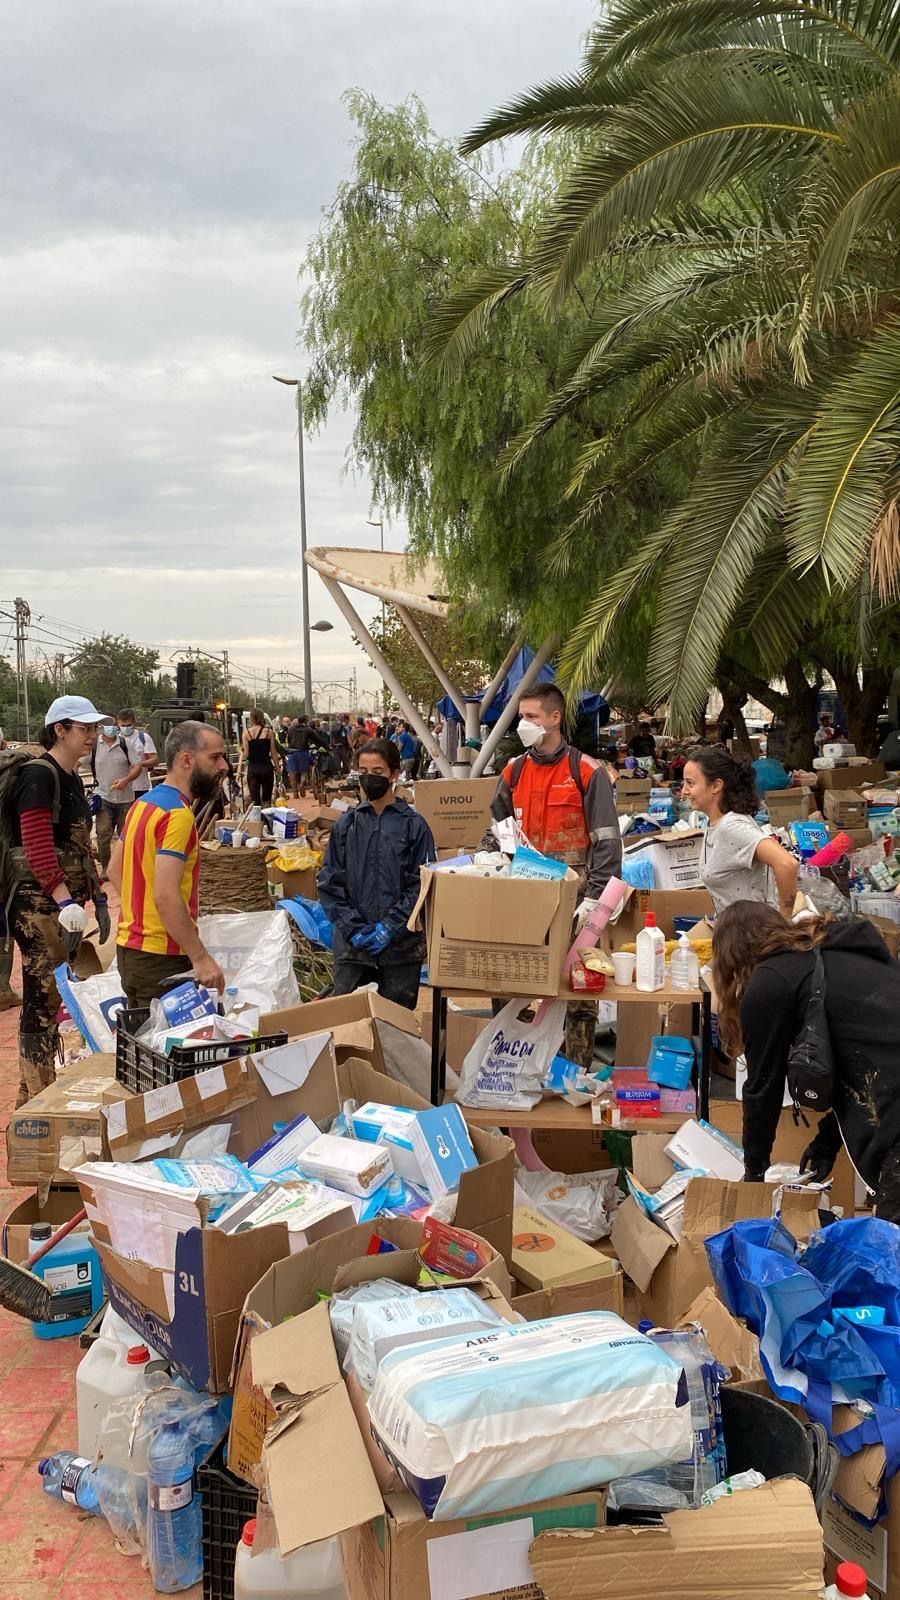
x,y
762,968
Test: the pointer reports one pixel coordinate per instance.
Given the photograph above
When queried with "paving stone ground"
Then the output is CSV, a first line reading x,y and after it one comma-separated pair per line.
x,y
48,1551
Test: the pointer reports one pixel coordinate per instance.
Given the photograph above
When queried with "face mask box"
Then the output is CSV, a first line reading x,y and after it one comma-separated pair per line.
x,y
431,1149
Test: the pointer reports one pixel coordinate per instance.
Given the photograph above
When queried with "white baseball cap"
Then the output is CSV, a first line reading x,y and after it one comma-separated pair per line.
x,y
73,708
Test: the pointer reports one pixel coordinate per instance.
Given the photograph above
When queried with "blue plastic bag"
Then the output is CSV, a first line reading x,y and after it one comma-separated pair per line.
x,y
311,920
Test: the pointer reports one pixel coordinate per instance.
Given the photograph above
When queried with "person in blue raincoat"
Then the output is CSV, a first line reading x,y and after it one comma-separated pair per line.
x,y
370,882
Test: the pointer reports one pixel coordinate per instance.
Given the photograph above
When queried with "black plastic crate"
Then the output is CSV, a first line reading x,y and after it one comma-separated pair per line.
x,y
227,1504
140,1069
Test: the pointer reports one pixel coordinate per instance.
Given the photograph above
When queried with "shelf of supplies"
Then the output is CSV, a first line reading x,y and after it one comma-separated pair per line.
x,y
613,992
554,1114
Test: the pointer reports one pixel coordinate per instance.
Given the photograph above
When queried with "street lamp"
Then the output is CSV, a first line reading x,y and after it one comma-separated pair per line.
x,y
294,383
386,693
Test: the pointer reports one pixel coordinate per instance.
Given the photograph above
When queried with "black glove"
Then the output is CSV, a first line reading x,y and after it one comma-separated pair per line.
x,y
817,1161
754,1177
101,912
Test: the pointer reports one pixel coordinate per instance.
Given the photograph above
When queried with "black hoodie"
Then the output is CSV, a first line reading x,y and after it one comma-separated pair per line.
x,y
862,998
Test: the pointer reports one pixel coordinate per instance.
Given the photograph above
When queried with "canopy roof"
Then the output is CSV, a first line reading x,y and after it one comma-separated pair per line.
x,y
386,574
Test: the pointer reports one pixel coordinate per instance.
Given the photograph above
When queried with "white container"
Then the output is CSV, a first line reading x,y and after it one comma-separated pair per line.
x,y
623,968
651,956
685,965
314,1570
850,1581
109,1372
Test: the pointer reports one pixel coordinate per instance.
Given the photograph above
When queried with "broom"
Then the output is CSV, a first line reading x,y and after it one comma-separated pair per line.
x,y
21,1291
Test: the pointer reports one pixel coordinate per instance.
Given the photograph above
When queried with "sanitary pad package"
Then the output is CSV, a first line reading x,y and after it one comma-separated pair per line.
x,y
387,1325
343,1304
528,1412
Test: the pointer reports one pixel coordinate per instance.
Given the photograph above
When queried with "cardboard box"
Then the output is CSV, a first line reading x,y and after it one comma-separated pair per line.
x,y
859,836
571,1151
858,1490
546,1256
403,1556
763,1544
675,858
502,936
359,1023
291,885
845,807
61,1127
791,1139
632,795
852,776
458,811
666,904
730,1341
606,1293
279,1310
464,1024
60,1205
788,805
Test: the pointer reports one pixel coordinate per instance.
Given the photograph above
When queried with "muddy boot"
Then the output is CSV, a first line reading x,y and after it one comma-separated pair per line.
x,y
37,1065
8,996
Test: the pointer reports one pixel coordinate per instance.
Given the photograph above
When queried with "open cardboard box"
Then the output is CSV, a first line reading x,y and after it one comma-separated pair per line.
x,y
457,810
675,858
61,1127
791,1139
358,1022
504,936
666,904
605,1293
852,776
60,1205
276,1315
858,1489
763,1544
669,1276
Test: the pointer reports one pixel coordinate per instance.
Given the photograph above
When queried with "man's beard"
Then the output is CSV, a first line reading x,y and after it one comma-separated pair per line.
x,y
204,785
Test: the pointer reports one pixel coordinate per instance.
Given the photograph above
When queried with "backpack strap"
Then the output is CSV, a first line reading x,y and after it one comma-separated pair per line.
x,y
574,767
518,768
55,810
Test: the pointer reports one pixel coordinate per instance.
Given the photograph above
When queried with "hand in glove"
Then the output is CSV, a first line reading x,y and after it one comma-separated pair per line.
x,y
72,927
101,912
817,1161
378,939
359,939
584,911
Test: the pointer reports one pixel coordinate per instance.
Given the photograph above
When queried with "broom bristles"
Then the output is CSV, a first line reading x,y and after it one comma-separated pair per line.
x,y
23,1293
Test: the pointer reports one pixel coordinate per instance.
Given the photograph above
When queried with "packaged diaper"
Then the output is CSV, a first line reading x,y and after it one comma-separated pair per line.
x,y
528,1412
343,1304
386,1325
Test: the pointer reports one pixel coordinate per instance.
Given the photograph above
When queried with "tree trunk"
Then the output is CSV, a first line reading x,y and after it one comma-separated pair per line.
x,y
734,698
799,716
862,703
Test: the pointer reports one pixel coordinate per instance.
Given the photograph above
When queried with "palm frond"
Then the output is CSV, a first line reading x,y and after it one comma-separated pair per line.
x,y
843,483
458,324
857,183
778,607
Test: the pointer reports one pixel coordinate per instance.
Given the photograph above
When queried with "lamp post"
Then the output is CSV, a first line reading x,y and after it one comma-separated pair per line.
x,y
295,383
385,693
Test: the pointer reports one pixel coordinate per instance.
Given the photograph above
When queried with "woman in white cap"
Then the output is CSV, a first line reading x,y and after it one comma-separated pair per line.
x,y
53,874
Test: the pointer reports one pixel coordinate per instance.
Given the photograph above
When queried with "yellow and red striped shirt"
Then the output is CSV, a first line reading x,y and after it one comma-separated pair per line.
x,y
160,823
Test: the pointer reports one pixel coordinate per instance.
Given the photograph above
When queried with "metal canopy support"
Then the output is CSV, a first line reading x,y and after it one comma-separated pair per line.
x,y
348,611
510,710
418,637
493,688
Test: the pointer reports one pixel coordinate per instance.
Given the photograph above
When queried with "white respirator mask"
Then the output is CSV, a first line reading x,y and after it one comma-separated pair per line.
x,y
530,733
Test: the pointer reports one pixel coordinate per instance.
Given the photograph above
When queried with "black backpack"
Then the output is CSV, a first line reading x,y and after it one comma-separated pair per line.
x,y
810,1067
124,749
12,763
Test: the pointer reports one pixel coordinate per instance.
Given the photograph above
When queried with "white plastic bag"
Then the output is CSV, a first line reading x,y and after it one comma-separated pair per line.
x,y
256,953
509,1060
584,1203
93,1004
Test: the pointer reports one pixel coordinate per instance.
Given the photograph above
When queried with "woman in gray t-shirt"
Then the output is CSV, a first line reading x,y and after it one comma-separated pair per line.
x,y
738,860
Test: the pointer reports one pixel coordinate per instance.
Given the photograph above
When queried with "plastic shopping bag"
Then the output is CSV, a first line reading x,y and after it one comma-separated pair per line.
x,y
93,1004
507,1064
256,952
584,1203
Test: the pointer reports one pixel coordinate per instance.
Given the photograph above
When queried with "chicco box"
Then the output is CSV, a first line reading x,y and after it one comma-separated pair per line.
x,y
671,1061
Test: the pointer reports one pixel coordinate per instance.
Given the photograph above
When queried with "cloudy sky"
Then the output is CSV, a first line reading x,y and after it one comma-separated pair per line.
x,y
166,164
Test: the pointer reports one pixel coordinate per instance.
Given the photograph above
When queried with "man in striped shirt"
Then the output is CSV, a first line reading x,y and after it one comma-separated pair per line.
x,y
156,869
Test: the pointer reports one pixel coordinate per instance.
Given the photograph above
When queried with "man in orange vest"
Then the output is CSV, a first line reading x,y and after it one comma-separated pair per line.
x,y
565,805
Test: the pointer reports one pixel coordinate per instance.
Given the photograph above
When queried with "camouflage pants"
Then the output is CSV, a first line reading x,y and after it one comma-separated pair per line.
x,y
33,922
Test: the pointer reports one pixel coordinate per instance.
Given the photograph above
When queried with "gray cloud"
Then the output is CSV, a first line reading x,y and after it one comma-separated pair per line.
x,y
166,166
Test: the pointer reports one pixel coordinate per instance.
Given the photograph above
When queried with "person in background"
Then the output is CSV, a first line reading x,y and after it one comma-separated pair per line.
x,y
565,804
339,735
156,869
54,875
114,777
737,860
409,748
359,735
643,745
140,748
370,882
258,752
762,969
305,740
824,733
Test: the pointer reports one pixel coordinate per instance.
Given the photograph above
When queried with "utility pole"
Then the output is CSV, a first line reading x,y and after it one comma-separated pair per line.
x,y
295,383
23,618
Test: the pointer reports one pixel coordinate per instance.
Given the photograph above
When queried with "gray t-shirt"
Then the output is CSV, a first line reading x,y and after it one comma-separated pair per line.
x,y
728,862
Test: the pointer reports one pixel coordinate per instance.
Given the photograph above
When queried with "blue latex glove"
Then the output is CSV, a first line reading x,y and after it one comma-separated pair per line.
x,y
360,940
378,940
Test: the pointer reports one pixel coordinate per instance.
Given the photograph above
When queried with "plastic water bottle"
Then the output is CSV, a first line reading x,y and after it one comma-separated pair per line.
x,y
314,1570
71,1270
174,1525
80,1482
685,965
848,1580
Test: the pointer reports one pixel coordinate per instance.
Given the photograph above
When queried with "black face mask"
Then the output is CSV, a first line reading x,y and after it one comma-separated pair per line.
x,y
373,785
204,785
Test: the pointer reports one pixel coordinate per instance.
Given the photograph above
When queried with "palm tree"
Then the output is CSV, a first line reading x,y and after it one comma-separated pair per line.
x,y
733,212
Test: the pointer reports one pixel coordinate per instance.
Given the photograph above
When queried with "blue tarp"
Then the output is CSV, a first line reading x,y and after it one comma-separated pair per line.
x,y
590,705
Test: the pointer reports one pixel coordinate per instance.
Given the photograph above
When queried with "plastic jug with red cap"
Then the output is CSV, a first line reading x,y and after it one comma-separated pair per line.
x,y
849,1580
110,1371
314,1570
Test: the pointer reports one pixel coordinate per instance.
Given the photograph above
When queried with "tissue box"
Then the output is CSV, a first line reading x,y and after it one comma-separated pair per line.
x,y
285,1148
671,1061
428,1148
352,1165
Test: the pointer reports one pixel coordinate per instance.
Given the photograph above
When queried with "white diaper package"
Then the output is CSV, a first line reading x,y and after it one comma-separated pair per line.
x,y
528,1412
381,1327
347,1164
343,1304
